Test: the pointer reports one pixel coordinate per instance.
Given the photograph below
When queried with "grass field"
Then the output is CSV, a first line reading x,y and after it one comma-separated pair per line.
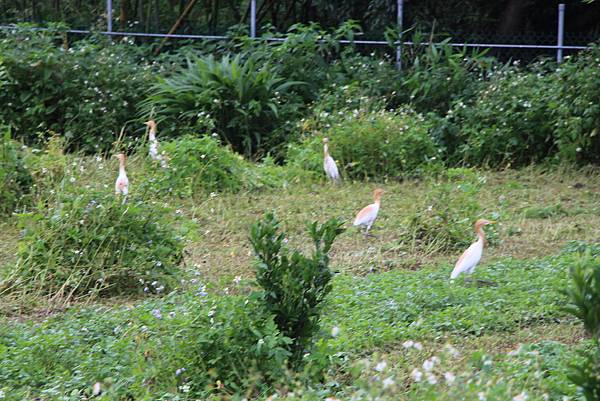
x,y
510,340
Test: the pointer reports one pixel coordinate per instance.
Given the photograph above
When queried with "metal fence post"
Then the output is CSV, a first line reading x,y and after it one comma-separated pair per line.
x,y
400,10
252,18
561,32
109,18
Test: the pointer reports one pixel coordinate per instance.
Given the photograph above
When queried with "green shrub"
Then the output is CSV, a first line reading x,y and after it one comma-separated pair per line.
x,y
90,243
86,92
178,347
241,98
309,54
508,121
586,374
584,293
203,165
15,180
369,144
577,110
294,286
444,221
437,74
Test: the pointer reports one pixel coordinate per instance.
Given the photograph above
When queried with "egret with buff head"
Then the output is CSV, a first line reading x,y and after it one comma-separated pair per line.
x,y
366,217
471,257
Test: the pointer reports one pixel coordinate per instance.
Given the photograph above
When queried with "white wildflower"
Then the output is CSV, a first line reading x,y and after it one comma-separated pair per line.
x,y
335,331
388,382
380,366
416,375
450,378
428,365
431,378
95,390
520,397
408,344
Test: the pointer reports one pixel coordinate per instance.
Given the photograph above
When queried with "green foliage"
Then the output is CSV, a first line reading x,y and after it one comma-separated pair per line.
x,y
177,348
586,374
197,165
15,180
294,286
88,242
507,122
584,293
240,97
306,55
203,165
368,144
546,212
577,110
446,216
436,74
397,305
86,92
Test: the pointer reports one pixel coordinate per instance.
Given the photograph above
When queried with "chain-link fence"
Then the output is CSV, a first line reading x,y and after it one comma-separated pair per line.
x,y
525,46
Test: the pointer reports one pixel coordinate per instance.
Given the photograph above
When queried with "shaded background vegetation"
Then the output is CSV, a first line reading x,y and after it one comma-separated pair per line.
x,y
499,19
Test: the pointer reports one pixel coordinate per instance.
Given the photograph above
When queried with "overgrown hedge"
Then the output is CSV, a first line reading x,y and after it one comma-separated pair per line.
x,y
257,97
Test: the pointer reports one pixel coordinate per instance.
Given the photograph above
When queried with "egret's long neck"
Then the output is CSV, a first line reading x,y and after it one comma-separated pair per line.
x,y
152,134
122,166
480,234
326,149
377,199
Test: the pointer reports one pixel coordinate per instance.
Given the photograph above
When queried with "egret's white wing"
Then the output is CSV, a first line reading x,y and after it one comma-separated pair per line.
x,y
331,168
367,215
468,259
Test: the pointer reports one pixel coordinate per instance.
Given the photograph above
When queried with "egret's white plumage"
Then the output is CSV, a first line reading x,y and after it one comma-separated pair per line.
x,y
122,183
368,214
153,150
469,259
329,164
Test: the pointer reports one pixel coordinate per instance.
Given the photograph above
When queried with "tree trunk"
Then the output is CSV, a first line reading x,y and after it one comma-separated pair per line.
x,y
512,17
123,14
156,16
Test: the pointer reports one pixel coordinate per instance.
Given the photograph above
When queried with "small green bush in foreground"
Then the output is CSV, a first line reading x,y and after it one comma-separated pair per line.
x,y
294,286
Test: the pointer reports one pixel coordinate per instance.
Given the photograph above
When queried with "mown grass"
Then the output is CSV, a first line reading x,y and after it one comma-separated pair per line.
x,y
386,292
135,353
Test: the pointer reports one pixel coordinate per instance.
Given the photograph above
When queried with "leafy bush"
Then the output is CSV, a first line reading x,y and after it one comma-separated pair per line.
x,y
15,180
91,243
586,374
309,54
86,92
202,165
507,123
584,303
369,144
444,221
242,99
294,286
437,74
178,347
584,293
577,110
